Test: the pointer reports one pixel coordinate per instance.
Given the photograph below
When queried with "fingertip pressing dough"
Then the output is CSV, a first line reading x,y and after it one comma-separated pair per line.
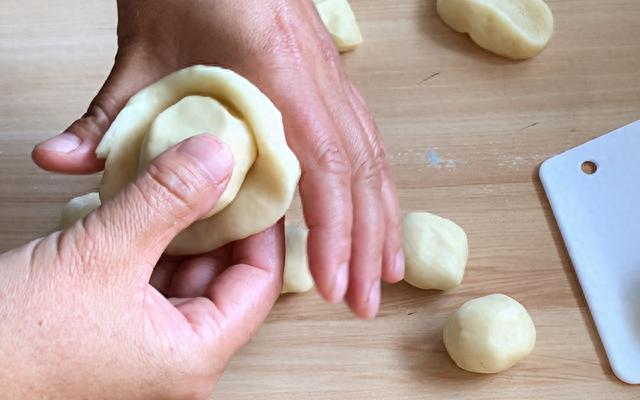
x,y
297,277
436,251
204,99
78,208
517,29
489,334
338,17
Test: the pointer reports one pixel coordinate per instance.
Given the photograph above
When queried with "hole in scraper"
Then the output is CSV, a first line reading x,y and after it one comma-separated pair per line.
x,y
589,167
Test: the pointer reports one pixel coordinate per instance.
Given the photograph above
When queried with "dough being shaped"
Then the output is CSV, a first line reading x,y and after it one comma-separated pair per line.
x,y
341,23
175,106
297,277
489,334
516,29
78,208
194,115
435,250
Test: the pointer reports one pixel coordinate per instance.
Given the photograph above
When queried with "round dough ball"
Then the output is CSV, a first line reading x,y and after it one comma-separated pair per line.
x,y
435,250
204,99
297,277
78,208
338,18
517,29
489,334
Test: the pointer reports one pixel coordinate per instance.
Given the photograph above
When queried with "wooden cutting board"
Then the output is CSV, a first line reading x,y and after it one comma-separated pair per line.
x,y
465,132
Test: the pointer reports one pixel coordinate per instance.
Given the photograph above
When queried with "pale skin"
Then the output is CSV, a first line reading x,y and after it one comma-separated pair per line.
x,y
100,303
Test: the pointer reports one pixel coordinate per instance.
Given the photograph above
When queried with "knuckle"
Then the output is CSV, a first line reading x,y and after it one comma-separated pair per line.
x,y
331,159
368,174
173,184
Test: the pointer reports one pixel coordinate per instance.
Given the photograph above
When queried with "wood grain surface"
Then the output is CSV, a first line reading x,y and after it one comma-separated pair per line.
x,y
465,132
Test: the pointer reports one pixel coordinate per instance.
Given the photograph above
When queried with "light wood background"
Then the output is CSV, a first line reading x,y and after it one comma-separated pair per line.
x,y
465,131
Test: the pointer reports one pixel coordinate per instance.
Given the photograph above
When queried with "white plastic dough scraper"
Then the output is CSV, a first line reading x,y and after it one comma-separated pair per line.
x,y
594,190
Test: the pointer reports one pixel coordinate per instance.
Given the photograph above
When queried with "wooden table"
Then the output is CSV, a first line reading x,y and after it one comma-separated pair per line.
x,y
465,131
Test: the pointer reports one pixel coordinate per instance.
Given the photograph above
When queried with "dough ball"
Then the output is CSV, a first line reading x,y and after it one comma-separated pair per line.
x,y
78,208
297,277
517,29
489,334
436,251
341,23
204,99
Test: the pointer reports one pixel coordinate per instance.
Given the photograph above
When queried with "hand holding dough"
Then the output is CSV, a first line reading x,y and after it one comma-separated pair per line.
x,y
297,277
341,23
489,334
202,99
517,29
436,251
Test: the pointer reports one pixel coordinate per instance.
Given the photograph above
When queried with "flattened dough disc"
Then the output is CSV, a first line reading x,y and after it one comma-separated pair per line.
x,y
599,216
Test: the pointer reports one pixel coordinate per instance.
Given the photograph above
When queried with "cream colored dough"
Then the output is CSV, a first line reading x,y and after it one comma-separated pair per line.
x,y
517,29
204,99
338,17
78,208
436,251
489,334
297,277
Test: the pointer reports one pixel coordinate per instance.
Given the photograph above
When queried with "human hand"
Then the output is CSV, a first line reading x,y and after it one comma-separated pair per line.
x,y
81,320
348,195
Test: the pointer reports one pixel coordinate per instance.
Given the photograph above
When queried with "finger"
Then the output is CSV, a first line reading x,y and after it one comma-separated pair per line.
x,y
194,276
367,234
74,150
325,190
393,254
179,187
244,293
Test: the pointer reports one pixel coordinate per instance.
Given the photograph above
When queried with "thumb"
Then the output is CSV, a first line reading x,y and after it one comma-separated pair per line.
x,y
74,150
135,227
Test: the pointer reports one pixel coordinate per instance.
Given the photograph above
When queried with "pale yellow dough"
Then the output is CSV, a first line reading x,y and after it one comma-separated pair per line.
x,y
517,29
436,251
204,99
78,208
489,334
297,277
338,17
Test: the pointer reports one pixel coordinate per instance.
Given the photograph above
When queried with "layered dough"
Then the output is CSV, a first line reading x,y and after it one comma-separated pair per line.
x,y
341,23
517,29
216,101
78,208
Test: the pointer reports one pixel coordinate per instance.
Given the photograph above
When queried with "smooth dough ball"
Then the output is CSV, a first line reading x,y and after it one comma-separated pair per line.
x,y
204,99
436,251
341,23
297,277
78,208
517,29
490,334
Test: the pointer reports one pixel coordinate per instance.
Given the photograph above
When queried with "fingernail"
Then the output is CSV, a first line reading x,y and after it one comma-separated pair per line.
x,y
63,143
340,283
399,264
373,301
211,154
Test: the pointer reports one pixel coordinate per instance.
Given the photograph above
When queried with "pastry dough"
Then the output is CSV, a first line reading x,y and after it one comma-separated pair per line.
x,y
436,251
341,23
78,208
297,277
517,29
204,99
489,334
